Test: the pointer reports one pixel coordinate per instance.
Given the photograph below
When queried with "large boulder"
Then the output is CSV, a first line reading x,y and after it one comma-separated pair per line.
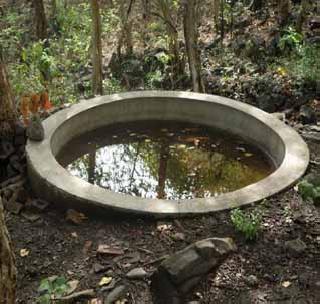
x,y
181,272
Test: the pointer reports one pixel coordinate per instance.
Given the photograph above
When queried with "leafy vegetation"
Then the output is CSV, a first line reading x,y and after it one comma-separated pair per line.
x,y
310,191
51,289
247,223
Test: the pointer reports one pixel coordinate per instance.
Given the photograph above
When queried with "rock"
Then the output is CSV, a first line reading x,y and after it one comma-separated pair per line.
x,y
182,271
35,130
295,247
307,115
252,280
116,294
137,273
30,216
39,204
98,267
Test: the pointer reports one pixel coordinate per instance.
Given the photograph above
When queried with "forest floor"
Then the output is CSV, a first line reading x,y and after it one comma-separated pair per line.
x,y
264,271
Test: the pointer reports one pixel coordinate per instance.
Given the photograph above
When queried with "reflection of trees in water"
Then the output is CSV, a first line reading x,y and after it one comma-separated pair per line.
x,y
165,170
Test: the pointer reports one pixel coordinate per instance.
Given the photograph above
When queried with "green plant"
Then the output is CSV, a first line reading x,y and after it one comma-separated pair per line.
x,y
51,289
309,190
248,223
290,40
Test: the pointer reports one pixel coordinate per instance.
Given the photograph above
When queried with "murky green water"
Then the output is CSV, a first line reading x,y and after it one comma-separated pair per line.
x,y
168,160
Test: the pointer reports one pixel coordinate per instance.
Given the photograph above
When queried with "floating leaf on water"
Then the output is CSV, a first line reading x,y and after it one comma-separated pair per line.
x,y
147,140
170,134
241,149
105,281
181,146
132,134
248,154
24,252
286,284
114,136
163,130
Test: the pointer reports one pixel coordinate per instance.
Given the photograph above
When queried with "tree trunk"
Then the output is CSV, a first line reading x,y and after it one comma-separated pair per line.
x,y
168,15
305,5
7,108
283,11
216,13
190,26
126,28
40,19
8,271
97,88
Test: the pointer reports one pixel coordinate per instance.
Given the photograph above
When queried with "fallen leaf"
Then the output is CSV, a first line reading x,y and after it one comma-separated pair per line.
x,y
72,286
286,284
74,234
106,249
24,252
75,217
105,281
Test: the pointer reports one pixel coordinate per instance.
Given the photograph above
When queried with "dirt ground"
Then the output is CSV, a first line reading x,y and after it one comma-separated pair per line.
x,y
59,247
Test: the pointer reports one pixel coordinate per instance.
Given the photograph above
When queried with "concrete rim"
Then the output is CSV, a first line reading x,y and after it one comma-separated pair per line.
x,y
51,181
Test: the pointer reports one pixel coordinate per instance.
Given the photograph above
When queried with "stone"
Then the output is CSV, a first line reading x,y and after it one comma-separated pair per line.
x,y
295,247
116,294
30,216
307,115
137,273
182,271
39,204
98,267
35,130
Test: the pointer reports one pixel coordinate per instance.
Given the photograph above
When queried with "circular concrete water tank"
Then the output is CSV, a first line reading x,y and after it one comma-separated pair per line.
x,y
52,182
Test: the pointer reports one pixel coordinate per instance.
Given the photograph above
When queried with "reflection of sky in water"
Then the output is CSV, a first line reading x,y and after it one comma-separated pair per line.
x,y
174,164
